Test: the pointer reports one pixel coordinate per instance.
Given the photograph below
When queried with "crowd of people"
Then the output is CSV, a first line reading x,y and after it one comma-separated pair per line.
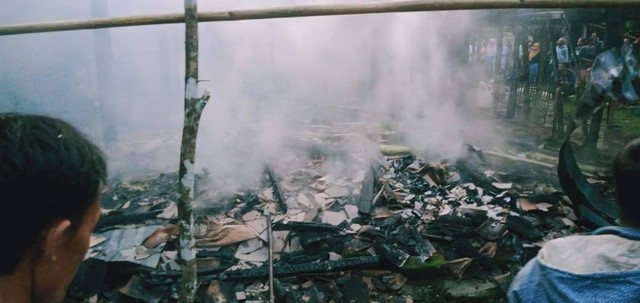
x,y
576,58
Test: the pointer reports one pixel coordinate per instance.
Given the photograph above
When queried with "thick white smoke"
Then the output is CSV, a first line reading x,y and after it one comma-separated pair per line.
x,y
269,80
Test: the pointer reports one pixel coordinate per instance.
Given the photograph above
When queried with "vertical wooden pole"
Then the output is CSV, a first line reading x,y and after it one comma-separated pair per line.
x,y
527,84
498,74
497,64
613,38
102,46
193,107
557,124
515,70
593,134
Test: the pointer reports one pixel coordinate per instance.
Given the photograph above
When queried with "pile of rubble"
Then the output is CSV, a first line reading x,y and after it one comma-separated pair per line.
x,y
363,236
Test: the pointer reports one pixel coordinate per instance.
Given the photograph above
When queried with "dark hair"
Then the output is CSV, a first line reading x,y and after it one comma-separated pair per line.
x,y
48,171
626,172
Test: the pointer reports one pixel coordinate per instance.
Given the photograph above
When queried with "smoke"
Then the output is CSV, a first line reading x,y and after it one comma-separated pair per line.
x,y
272,83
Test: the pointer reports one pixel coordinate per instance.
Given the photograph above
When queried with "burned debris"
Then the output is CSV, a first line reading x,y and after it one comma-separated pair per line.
x,y
360,236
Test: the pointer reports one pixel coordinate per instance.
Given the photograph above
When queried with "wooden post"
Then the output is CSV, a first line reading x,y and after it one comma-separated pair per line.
x,y
497,64
557,124
527,85
193,107
498,74
515,70
613,38
102,46
593,134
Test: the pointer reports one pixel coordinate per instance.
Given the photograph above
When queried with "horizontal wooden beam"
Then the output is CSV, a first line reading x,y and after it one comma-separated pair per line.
x,y
309,11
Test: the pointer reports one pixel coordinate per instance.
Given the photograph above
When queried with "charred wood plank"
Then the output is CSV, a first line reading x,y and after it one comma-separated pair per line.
x,y
523,228
391,252
96,275
365,201
424,248
116,218
284,270
306,227
275,185
251,200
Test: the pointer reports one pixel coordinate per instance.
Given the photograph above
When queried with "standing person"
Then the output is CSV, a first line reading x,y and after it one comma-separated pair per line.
x,y
579,45
586,55
534,63
492,47
490,58
626,46
590,51
597,43
562,51
483,51
471,51
601,267
51,179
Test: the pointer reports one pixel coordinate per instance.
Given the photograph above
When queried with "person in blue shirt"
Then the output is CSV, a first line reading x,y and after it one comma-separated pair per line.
x,y
534,63
562,51
601,267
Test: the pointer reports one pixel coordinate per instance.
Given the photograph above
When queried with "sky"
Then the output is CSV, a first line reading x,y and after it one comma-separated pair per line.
x,y
270,81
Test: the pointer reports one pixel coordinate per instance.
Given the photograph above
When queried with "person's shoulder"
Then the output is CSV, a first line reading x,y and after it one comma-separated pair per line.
x,y
587,254
580,268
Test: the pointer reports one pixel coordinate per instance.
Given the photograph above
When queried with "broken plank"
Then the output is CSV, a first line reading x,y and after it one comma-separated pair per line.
x,y
394,150
275,185
515,158
285,270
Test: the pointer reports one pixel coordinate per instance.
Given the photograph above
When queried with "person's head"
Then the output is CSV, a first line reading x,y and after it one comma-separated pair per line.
x,y
626,41
562,42
580,42
626,172
536,46
50,182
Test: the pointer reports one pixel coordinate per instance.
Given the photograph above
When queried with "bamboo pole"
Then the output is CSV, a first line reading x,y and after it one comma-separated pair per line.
x,y
272,297
193,107
309,11
102,49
